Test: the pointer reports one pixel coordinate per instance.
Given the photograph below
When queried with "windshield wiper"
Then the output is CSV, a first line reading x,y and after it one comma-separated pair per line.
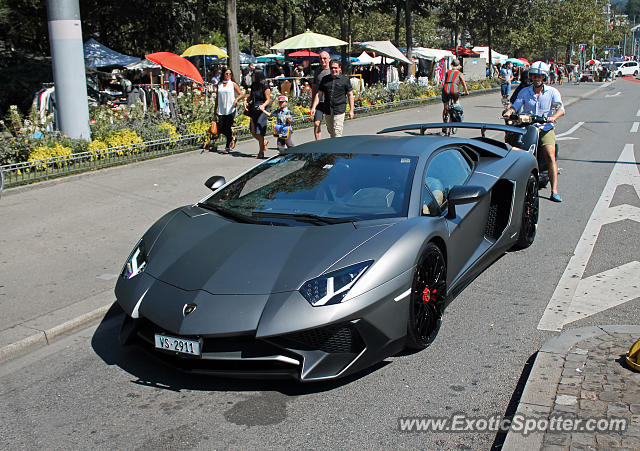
x,y
305,217
226,212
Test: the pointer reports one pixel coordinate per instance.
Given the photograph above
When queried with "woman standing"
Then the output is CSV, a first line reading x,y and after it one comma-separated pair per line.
x,y
259,100
228,94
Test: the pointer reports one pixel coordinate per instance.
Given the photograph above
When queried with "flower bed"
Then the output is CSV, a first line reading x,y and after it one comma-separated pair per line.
x,y
130,133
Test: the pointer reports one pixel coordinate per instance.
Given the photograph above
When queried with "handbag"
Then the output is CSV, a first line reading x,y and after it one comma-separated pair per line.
x,y
213,129
281,131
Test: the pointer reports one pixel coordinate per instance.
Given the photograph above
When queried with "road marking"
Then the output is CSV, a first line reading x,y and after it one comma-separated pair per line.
x,y
634,127
614,95
574,297
571,130
638,113
564,137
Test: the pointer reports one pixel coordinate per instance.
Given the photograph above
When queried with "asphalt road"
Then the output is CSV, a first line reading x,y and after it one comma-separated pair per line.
x,y
85,391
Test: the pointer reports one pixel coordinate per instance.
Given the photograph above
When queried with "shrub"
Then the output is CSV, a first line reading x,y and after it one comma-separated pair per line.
x,y
98,149
124,137
168,129
46,152
14,150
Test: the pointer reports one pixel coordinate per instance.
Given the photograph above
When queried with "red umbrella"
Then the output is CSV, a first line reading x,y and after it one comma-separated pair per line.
x,y
524,60
177,64
464,51
303,53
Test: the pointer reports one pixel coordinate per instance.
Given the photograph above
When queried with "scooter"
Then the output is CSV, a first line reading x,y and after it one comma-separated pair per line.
x,y
529,141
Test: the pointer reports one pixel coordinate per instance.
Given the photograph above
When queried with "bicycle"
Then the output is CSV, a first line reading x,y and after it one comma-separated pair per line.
x,y
453,113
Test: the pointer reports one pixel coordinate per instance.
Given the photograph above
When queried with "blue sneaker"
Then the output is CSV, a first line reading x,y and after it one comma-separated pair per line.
x,y
555,198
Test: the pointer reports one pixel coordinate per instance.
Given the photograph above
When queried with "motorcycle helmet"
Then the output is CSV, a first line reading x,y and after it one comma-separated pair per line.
x,y
539,68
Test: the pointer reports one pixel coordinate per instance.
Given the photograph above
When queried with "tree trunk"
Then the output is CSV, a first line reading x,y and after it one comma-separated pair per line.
x,y
407,20
343,36
284,25
397,34
197,29
489,44
232,40
293,22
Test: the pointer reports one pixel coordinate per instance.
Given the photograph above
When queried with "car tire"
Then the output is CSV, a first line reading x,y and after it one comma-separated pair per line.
x,y
619,74
530,211
428,296
635,74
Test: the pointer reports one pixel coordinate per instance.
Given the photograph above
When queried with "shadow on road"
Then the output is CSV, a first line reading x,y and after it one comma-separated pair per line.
x,y
514,401
150,371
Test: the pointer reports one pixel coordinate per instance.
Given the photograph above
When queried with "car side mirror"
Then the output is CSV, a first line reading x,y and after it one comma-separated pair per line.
x,y
215,182
460,194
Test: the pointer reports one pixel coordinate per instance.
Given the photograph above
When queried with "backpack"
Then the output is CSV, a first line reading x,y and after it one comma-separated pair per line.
x,y
456,113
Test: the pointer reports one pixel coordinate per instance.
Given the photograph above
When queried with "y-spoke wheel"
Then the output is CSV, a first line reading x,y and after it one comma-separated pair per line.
x,y
428,294
529,224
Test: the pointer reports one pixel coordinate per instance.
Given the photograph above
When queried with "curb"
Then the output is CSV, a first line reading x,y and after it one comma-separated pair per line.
x,y
539,393
48,336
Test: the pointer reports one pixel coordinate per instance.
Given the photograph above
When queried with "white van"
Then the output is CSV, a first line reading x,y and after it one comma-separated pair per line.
x,y
627,68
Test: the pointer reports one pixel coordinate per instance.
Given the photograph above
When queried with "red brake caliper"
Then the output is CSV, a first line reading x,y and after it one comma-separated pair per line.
x,y
428,295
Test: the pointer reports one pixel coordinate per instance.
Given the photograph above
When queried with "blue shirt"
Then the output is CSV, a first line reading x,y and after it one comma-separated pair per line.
x,y
507,74
541,105
282,114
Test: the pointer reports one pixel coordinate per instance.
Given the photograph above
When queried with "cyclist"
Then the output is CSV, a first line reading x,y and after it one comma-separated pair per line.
x,y
450,88
538,99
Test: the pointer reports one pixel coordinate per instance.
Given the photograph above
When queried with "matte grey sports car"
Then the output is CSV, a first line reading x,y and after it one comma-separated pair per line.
x,y
325,260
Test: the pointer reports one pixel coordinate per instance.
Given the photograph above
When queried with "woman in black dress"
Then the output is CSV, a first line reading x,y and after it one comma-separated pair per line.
x,y
259,101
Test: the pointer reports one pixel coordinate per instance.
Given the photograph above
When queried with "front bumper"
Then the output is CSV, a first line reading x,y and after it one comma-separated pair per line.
x,y
323,353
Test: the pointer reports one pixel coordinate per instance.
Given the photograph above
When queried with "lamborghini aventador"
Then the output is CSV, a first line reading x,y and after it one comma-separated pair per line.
x,y
324,260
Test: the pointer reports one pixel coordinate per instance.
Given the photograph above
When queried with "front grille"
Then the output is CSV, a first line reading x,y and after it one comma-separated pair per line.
x,y
247,346
341,338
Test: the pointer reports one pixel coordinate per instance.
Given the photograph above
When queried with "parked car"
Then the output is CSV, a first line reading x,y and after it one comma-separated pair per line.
x,y
325,260
627,68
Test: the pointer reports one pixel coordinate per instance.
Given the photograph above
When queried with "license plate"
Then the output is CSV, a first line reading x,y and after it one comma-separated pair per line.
x,y
179,345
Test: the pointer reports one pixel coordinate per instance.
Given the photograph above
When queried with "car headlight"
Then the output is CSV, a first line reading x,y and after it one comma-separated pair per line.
x,y
136,262
331,288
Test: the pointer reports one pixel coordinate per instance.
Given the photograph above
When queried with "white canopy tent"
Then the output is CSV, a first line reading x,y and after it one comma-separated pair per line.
x,y
431,54
384,48
365,59
495,56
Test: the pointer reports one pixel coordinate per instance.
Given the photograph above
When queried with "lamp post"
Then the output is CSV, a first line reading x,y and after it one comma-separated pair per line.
x,y
67,58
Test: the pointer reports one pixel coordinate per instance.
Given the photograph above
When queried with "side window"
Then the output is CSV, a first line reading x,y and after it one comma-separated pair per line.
x,y
445,170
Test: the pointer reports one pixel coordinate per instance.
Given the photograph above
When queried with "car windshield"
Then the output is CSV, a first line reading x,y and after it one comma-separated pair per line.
x,y
319,188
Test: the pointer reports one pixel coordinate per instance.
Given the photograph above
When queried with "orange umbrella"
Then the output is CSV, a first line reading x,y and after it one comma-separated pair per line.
x,y
177,64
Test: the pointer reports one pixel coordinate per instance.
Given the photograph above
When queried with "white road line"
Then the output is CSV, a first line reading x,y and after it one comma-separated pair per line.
x,y
638,113
634,127
614,95
575,298
571,130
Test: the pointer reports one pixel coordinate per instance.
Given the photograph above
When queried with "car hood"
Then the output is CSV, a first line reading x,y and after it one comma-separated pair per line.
x,y
199,250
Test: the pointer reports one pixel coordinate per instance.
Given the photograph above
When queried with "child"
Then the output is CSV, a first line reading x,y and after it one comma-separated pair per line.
x,y
283,128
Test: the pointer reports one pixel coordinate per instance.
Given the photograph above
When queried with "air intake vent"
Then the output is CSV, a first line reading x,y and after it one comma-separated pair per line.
x,y
332,339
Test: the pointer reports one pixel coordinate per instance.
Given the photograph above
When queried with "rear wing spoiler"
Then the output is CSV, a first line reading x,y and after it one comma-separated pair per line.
x,y
471,125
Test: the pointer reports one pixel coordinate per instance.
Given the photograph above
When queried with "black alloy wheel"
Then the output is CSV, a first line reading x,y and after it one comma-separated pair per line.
x,y
428,295
530,210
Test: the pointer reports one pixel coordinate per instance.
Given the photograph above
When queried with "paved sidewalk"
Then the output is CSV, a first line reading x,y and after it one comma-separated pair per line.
x,y
581,374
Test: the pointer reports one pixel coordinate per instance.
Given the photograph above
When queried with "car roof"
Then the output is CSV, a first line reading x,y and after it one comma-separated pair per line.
x,y
392,145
